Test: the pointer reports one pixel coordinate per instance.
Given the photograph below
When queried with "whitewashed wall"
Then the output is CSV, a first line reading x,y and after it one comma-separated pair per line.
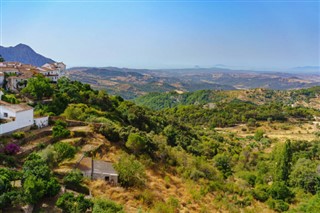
x,y
3,109
41,122
23,119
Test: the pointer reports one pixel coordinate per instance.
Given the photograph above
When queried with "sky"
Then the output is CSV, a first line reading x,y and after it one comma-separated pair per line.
x,y
267,35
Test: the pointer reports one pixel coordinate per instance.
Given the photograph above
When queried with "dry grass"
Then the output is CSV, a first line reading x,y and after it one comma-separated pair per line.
x,y
280,131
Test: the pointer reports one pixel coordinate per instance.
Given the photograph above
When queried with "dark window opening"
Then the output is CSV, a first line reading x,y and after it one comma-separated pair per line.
x,y
5,115
107,178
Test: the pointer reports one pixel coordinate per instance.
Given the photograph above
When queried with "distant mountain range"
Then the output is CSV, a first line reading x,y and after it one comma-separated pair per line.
x,y
24,54
131,83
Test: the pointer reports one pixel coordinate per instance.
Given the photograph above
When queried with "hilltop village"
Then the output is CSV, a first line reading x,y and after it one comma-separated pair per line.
x,y
15,75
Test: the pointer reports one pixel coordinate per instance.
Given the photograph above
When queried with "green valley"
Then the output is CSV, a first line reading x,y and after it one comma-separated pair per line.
x,y
206,151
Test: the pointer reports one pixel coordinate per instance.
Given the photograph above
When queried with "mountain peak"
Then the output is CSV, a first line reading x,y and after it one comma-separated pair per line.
x,y
24,54
22,45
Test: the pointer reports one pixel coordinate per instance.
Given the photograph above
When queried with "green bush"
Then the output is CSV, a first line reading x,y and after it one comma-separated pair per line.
x,y
260,192
110,131
64,151
106,206
75,178
280,191
278,205
70,203
52,187
136,143
223,163
18,135
60,132
131,172
60,129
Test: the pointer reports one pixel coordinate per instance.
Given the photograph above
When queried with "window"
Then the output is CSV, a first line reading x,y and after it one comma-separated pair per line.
x,y
5,114
107,178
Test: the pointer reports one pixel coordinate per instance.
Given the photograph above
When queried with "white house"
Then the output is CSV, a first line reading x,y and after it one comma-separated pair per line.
x,y
53,71
15,117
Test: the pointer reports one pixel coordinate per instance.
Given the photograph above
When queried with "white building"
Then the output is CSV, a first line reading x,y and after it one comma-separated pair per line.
x,y
14,117
53,71
97,170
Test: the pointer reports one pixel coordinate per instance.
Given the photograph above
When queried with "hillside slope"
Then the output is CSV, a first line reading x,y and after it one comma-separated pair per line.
x,y
303,97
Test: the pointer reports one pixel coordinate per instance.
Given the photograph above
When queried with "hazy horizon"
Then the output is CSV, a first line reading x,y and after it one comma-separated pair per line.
x,y
257,35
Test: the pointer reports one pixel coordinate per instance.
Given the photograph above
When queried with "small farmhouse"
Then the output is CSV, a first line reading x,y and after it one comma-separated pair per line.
x,y
97,169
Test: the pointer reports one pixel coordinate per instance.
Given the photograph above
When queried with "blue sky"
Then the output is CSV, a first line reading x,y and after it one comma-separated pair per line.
x,y
167,34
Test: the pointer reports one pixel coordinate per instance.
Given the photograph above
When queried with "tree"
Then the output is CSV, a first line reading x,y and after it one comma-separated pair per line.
x,y
36,166
283,158
280,191
136,143
38,87
64,151
52,187
5,180
34,189
304,175
131,172
1,59
60,130
70,203
223,164
75,178
38,180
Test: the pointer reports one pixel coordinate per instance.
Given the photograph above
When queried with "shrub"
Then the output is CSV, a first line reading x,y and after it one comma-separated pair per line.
x,y
18,135
52,187
60,129
64,151
7,160
278,205
136,143
11,149
223,164
260,193
10,98
110,131
75,178
71,204
258,135
106,206
33,189
171,206
280,191
131,172
60,132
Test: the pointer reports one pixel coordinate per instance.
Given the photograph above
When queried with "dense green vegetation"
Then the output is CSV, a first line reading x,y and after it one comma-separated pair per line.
x,y
173,99
181,140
